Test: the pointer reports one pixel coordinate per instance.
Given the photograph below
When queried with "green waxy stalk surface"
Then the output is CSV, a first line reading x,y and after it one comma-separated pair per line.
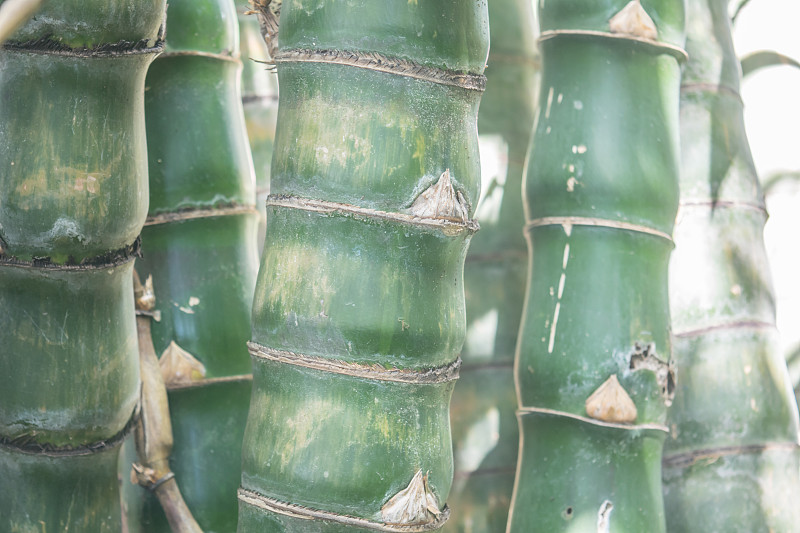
x,y
358,316
485,433
199,244
592,367
73,198
731,461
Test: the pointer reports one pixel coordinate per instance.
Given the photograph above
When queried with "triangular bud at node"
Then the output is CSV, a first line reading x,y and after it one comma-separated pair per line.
x,y
441,200
634,20
413,505
610,403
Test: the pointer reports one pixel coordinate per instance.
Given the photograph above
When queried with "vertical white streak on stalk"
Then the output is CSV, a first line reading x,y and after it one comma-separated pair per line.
x,y
553,328
549,103
604,517
567,228
566,256
561,284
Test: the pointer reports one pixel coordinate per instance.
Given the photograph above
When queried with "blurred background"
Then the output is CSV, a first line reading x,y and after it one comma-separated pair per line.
x,y
772,116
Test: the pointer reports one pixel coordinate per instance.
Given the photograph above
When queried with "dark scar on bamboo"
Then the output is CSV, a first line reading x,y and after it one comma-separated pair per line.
x,y
23,444
306,513
376,372
107,260
685,460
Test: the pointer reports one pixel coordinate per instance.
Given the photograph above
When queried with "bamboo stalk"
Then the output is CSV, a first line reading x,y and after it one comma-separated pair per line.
x,y
260,101
485,433
199,246
358,315
593,369
71,208
731,462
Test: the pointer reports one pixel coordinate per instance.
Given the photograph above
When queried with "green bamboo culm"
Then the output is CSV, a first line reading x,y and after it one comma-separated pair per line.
x,y
593,369
260,100
731,460
73,198
359,316
199,245
485,433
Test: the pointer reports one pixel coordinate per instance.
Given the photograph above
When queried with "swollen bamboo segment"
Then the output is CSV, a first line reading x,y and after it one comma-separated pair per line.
x,y
731,461
199,246
73,198
358,315
593,368
485,434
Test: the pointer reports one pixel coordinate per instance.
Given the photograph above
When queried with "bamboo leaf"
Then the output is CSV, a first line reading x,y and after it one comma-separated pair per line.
x,y
763,59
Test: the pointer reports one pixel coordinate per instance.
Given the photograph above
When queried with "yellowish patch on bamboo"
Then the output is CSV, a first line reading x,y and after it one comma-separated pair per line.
x,y
610,403
413,505
179,366
441,201
634,20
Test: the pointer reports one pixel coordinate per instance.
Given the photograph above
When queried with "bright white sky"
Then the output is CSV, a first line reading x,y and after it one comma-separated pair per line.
x,y
772,117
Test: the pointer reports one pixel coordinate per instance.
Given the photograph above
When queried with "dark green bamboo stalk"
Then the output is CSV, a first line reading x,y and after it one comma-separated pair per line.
x,y
593,367
731,461
73,198
485,434
358,315
199,245
260,100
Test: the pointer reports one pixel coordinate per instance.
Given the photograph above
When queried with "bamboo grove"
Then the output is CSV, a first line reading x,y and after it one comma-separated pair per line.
x,y
600,381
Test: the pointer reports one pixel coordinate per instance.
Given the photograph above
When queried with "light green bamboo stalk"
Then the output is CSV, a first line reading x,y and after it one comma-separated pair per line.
x,y
593,367
358,315
73,198
199,245
731,462
485,434
260,101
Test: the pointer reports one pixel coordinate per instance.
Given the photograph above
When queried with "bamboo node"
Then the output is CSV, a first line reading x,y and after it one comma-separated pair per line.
x,y
414,505
644,358
441,201
611,403
634,20
179,366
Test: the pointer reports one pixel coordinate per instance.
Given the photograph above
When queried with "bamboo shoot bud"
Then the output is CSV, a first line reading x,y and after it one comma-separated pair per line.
x,y
441,201
610,403
634,20
413,505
